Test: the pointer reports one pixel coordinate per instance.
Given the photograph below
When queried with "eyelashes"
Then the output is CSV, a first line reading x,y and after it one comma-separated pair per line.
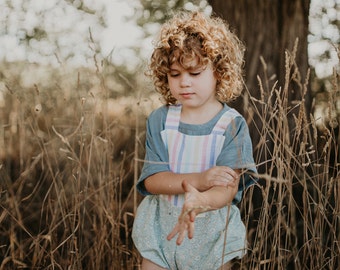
x,y
174,75
195,73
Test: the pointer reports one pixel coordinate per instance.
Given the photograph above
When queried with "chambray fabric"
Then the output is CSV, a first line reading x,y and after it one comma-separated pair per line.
x,y
237,151
157,215
156,218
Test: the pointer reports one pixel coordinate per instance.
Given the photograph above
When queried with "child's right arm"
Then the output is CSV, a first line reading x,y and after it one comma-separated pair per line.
x,y
171,183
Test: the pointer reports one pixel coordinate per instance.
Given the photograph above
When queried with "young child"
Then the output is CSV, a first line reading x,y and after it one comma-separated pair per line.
x,y
198,150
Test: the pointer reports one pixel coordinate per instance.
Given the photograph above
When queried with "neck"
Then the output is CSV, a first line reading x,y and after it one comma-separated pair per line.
x,y
198,116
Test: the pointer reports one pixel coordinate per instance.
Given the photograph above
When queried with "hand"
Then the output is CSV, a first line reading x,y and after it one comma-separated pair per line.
x,y
195,203
219,176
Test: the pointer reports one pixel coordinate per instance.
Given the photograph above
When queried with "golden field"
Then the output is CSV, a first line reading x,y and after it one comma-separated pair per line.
x,y
71,149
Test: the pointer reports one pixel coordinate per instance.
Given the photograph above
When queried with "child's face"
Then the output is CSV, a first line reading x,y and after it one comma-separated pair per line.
x,y
192,87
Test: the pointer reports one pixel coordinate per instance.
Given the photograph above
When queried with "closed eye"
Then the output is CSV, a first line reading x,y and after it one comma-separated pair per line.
x,y
195,73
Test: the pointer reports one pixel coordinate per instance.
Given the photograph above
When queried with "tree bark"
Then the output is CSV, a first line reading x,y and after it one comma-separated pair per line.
x,y
268,28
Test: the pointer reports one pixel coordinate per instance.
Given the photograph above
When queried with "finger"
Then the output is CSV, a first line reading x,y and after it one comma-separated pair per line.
x,y
183,227
191,229
192,216
181,236
223,182
173,233
235,175
228,177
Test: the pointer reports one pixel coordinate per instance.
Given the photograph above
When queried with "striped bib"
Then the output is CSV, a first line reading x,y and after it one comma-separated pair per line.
x,y
192,153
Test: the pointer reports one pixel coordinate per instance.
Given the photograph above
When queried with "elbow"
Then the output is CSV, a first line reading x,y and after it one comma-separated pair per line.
x,y
232,192
148,185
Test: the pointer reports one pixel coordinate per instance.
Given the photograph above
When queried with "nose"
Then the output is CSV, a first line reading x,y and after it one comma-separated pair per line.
x,y
185,80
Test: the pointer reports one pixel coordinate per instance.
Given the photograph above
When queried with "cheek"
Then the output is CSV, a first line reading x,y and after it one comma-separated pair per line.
x,y
169,80
171,83
213,81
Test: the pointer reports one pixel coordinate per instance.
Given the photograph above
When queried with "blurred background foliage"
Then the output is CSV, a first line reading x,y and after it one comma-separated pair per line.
x,y
78,33
73,104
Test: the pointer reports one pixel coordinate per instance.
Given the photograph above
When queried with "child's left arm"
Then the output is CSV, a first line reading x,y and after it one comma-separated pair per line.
x,y
198,202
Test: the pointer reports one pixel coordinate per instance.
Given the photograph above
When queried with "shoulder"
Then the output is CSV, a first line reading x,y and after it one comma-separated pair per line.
x,y
156,119
159,114
230,111
233,123
233,115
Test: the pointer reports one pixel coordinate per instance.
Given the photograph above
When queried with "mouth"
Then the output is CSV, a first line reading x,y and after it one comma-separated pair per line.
x,y
186,95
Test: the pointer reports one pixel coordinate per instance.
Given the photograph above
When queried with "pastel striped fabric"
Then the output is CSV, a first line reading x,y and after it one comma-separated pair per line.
x,y
187,153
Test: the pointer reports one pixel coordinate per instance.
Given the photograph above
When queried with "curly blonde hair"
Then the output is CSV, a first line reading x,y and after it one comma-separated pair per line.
x,y
192,35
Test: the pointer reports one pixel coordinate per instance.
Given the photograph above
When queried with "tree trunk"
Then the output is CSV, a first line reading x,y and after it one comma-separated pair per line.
x,y
268,28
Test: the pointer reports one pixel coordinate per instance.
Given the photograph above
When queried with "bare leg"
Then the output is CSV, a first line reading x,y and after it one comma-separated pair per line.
x,y
226,266
149,265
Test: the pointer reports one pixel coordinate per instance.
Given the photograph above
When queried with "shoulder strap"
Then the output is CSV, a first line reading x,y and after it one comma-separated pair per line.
x,y
224,121
173,117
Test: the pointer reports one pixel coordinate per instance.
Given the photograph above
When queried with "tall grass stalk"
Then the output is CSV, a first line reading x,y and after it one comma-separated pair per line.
x,y
293,214
70,156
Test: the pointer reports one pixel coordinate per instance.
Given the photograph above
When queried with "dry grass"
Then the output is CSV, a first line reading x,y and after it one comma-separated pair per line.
x,y
293,214
69,160
67,171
